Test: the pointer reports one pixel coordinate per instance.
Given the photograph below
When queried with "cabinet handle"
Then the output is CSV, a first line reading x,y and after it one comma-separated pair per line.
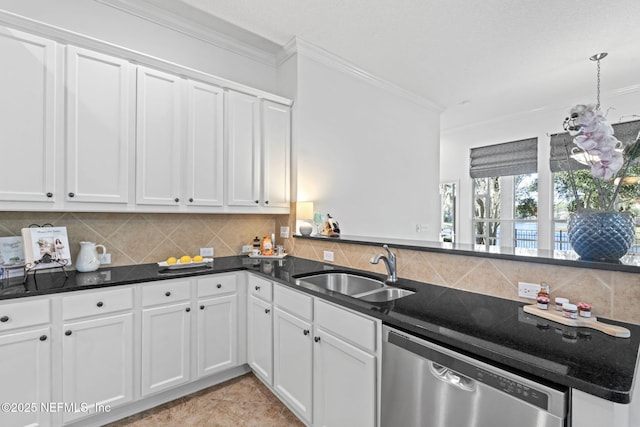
x,y
266,310
305,332
67,333
188,309
176,200
219,285
316,339
191,199
202,307
100,304
49,195
43,338
72,195
256,201
257,288
4,319
266,202
167,294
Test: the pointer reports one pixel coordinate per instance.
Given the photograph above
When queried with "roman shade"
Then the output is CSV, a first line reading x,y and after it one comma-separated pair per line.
x,y
510,158
625,132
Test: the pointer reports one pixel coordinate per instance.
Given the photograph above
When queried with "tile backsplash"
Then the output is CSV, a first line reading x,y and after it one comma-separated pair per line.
x,y
137,238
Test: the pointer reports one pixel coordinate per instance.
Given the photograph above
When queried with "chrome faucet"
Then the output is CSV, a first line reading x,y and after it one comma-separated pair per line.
x,y
389,261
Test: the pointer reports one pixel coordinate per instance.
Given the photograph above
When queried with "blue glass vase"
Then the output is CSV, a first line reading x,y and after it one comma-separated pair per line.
x,y
601,236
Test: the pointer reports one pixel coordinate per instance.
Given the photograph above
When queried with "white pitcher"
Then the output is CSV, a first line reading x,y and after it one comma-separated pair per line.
x,y
88,258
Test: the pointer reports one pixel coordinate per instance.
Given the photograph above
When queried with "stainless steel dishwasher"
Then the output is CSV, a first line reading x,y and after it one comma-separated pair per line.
x,y
426,385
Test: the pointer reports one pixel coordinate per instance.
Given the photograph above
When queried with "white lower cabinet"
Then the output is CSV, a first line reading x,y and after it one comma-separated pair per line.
x,y
325,360
26,365
97,351
260,338
166,335
344,386
293,361
217,327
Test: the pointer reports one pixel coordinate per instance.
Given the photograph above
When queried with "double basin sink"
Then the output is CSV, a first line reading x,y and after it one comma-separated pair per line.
x,y
357,286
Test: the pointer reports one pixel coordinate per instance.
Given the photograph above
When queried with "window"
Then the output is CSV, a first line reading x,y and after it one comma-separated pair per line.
x,y
506,211
505,191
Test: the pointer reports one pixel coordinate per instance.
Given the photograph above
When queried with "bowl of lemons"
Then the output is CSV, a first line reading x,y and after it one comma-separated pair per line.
x,y
185,261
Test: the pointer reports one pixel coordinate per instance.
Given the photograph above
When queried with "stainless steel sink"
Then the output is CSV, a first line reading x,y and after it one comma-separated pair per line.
x,y
354,285
385,294
344,283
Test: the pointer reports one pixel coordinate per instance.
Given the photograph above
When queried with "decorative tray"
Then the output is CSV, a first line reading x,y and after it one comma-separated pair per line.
x,y
179,265
267,256
585,322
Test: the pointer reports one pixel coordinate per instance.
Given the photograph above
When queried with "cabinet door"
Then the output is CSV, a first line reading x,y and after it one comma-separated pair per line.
x,y
243,149
97,363
99,118
205,138
292,361
276,154
165,347
217,334
28,117
344,383
158,137
26,376
260,338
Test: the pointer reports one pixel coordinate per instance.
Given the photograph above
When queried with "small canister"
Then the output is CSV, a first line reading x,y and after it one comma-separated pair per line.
x,y
559,302
570,310
584,309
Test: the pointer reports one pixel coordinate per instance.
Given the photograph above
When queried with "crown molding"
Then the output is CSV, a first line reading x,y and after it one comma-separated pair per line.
x,y
166,18
297,46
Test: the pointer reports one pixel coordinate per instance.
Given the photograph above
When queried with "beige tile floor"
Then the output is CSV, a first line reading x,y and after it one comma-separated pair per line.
x,y
241,402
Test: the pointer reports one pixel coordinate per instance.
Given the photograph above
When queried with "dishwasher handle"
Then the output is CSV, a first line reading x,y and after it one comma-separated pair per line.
x,y
452,378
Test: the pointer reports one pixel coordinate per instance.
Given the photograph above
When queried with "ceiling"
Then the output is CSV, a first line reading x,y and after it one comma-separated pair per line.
x,y
476,59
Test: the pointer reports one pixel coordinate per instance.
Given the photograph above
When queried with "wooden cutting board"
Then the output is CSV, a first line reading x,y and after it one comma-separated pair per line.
x,y
584,322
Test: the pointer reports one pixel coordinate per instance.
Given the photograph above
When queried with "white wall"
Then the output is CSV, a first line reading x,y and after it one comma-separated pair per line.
x,y
456,143
367,155
105,23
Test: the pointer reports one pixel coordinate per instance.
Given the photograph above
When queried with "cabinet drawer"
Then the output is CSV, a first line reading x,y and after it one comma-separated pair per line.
x,y
261,288
164,292
216,285
96,302
358,329
20,314
294,302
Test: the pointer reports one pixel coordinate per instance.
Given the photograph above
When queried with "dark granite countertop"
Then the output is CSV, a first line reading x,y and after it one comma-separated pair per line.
x,y
492,329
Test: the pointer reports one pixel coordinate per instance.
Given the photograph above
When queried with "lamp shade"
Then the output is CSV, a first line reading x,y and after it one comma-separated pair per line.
x,y
304,210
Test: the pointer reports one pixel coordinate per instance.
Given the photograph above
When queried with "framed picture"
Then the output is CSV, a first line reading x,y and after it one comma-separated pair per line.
x,y
46,247
12,256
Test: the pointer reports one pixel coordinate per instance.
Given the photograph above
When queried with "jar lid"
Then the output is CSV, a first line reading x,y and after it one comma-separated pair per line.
x,y
584,306
560,300
569,307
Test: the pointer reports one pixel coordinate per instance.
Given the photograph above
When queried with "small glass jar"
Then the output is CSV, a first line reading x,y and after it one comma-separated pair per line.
x,y
569,310
559,302
584,309
542,299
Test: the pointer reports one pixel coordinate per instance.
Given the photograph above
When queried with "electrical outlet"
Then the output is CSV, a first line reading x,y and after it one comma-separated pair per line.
x,y
328,256
106,259
284,232
246,248
528,290
206,251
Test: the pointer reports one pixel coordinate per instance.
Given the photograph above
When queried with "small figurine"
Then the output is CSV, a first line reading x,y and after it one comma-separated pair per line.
x,y
331,227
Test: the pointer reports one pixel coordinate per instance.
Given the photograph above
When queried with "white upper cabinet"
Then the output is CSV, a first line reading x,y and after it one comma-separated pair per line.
x,y
276,154
100,120
28,113
205,140
259,152
158,137
243,149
